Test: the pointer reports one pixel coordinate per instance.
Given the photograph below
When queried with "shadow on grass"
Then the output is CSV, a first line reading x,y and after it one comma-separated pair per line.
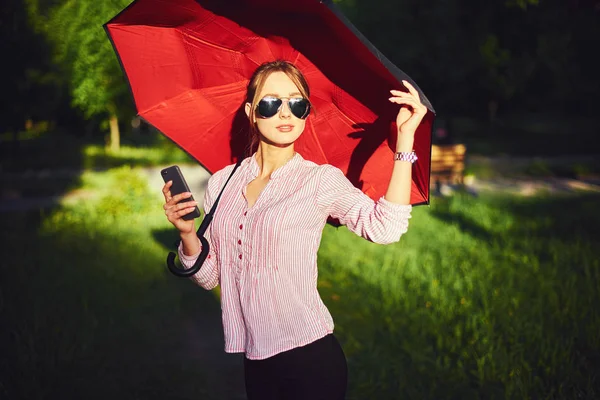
x,y
442,209
566,218
168,238
96,315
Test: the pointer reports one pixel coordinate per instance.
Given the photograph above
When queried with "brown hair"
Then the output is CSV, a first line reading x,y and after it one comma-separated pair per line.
x,y
257,81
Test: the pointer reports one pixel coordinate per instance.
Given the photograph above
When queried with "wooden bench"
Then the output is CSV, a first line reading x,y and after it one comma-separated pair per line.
x,y
447,164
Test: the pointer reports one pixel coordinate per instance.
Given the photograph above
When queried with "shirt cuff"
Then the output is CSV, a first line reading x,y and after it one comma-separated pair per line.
x,y
188,261
394,210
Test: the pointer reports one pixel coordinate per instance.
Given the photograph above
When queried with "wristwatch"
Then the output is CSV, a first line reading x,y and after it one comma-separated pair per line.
x,y
405,156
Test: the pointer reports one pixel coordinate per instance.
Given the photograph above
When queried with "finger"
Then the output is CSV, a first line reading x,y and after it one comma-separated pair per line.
x,y
404,95
167,186
166,190
173,210
178,197
183,212
171,213
187,204
417,106
400,93
412,90
405,100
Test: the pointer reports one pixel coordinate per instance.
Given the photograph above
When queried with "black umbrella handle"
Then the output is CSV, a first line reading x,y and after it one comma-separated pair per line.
x,y
186,273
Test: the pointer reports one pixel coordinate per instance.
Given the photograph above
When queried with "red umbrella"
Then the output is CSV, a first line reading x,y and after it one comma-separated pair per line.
x,y
188,63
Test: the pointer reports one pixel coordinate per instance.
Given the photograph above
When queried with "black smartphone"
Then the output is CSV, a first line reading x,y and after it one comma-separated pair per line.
x,y
173,173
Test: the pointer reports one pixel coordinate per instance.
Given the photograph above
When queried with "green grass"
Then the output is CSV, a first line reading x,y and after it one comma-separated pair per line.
x,y
483,298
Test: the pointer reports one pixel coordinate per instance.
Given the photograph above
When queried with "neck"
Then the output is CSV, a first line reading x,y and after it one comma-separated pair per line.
x,y
269,158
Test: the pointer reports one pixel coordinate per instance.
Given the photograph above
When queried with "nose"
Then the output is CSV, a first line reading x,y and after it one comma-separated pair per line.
x,y
285,111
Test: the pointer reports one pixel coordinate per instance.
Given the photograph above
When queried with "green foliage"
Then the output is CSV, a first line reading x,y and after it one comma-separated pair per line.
x,y
83,50
33,89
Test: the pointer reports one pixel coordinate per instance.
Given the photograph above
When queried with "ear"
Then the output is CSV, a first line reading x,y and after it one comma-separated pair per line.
x,y
247,109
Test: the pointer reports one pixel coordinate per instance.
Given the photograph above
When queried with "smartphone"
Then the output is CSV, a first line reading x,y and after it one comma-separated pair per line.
x,y
173,173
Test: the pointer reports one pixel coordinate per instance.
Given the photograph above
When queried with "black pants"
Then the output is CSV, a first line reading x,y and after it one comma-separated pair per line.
x,y
312,372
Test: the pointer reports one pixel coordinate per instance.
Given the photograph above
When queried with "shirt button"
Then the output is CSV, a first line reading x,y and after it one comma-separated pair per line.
x,y
241,225
240,256
239,242
245,212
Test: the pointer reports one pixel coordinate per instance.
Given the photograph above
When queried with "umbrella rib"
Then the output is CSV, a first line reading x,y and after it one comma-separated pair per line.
x,y
242,39
216,46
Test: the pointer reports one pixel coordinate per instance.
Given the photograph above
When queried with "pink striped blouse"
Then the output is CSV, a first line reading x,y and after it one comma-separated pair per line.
x,y
265,256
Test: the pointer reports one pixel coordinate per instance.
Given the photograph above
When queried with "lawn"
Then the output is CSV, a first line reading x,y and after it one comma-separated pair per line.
x,y
485,297
490,297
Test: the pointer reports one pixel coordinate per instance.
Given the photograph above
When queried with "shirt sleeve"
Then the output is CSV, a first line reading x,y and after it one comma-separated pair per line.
x,y
209,274
379,221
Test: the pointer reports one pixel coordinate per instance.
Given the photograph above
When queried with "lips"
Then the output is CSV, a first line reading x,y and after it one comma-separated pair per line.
x,y
285,128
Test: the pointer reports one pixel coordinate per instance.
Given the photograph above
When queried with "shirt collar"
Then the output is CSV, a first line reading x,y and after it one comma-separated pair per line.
x,y
254,168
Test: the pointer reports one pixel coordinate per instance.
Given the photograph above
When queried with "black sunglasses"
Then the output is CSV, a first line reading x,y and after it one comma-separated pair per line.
x,y
269,106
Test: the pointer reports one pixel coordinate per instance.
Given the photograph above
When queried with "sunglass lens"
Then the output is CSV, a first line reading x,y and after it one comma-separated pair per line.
x,y
299,107
268,107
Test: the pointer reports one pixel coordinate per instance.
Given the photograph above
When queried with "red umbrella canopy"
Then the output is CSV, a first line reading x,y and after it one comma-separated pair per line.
x,y
188,64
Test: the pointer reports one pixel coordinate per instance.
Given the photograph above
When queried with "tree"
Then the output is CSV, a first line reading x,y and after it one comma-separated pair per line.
x,y
82,49
32,88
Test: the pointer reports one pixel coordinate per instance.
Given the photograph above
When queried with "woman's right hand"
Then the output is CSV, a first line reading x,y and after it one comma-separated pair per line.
x,y
175,212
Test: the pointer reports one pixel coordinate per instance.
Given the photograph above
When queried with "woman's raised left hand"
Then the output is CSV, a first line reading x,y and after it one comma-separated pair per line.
x,y
412,110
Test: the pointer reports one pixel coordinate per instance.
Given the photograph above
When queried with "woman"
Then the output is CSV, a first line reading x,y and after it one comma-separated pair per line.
x,y
265,236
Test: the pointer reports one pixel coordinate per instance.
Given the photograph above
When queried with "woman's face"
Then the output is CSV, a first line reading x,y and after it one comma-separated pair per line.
x,y
284,127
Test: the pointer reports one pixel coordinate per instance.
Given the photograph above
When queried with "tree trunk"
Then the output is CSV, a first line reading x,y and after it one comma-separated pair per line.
x,y
115,137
